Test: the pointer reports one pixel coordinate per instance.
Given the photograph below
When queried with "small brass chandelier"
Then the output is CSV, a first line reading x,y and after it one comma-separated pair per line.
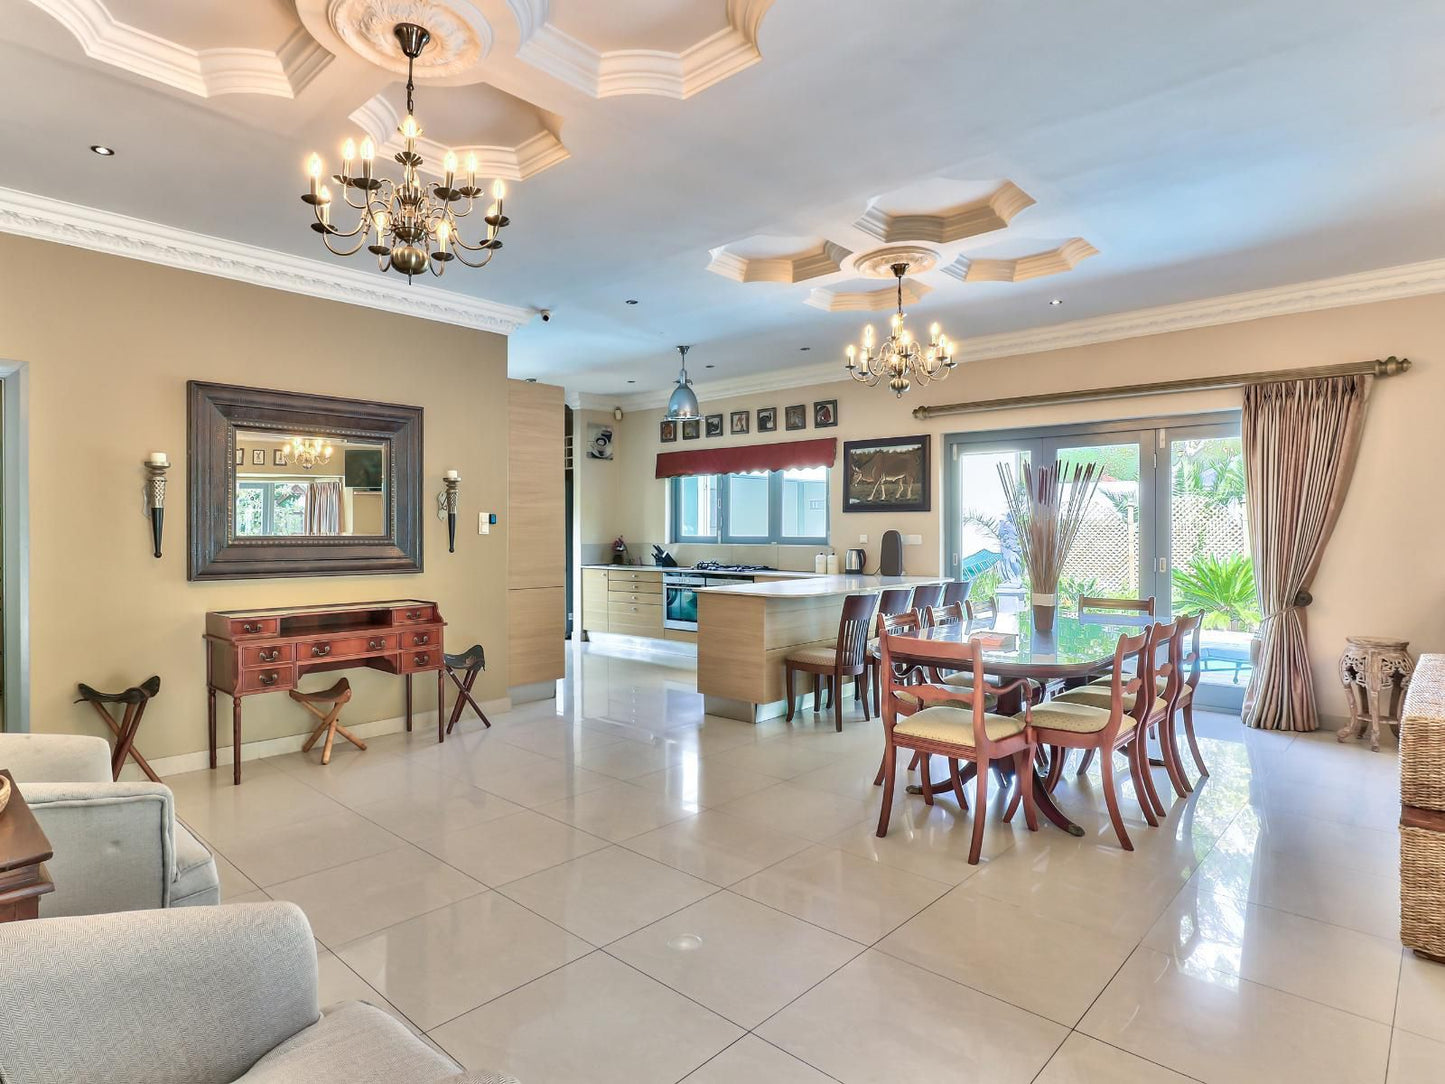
x,y
412,226
901,358
308,453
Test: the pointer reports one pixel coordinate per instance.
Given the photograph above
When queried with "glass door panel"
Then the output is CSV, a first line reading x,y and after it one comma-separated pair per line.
x,y
1114,546
981,540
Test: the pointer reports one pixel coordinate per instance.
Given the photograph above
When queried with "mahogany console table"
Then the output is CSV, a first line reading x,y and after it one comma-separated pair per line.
x,y
265,651
24,851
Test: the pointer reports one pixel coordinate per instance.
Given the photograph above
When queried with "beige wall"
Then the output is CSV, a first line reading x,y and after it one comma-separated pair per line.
x,y
110,344
1382,574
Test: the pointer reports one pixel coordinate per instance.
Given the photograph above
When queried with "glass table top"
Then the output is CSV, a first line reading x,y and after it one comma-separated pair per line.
x,y
1011,644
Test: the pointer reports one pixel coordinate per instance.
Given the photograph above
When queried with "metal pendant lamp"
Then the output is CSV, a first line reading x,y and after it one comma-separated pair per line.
x,y
683,405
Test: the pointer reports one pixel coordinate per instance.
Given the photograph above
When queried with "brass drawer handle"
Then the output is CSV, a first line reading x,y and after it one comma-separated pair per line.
x,y
413,615
375,645
421,638
251,626
421,659
320,650
270,678
269,656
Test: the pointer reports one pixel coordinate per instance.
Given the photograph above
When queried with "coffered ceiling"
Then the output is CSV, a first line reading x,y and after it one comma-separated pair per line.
x,y
747,169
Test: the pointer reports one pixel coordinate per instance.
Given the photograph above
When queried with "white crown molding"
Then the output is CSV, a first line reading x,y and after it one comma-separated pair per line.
x,y
1054,261
120,235
992,212
881,300
205,73
640,71
378,119
824,258
1362,288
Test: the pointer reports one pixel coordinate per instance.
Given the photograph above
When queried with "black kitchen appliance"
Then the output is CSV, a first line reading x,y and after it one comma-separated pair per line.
x,y
890,555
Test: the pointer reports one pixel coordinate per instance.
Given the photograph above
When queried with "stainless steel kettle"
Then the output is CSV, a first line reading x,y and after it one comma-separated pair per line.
x,y
855,560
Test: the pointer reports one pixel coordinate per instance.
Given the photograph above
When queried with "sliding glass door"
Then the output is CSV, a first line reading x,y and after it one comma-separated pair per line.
x,y
1168,520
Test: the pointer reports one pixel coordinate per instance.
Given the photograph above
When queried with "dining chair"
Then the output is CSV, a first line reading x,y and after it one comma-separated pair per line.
x,y
891,603
954,723
984,609
926,595
956,591
1063,723
1186,663
1098,604
848,657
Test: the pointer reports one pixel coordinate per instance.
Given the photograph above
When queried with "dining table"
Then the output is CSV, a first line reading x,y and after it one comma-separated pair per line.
x,y
1074,650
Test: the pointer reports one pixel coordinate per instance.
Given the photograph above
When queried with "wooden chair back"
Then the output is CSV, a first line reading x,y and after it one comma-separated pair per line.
x,y
854,630
895,600
1129,674
1100,604
1163,641
1186,658
984,609
956,591
926,595
938,616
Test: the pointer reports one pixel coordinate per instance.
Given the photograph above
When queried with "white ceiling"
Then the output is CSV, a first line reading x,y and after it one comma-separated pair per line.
x,y
1203,148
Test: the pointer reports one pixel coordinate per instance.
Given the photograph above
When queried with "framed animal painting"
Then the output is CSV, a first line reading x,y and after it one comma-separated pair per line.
x,y
795,417
739,420
712,425
667,432
691,428
825,413
888,475
767,419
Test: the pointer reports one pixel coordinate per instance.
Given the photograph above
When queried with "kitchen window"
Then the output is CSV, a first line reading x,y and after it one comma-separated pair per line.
x,y
788,507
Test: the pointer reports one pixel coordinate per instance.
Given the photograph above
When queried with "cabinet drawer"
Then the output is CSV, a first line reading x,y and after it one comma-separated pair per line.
x,y
421,613
628,576
627,598
636,587
345,647
266,678
264,654
426,637
623,607
427,658
635,627
255,626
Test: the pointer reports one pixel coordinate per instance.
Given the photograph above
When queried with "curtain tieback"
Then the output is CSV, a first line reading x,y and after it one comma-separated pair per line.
x,y
1299,602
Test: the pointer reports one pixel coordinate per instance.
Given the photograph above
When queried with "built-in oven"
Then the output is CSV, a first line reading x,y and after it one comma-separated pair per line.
x,y
679,600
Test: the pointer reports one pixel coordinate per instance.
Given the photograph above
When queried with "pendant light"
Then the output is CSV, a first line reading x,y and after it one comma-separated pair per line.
x,y
683,405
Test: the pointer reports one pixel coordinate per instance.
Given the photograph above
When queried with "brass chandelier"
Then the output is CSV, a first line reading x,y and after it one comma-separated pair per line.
x,y
901,358
309,453
412,226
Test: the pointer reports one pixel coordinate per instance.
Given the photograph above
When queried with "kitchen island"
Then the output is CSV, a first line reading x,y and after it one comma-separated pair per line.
x,y
745,631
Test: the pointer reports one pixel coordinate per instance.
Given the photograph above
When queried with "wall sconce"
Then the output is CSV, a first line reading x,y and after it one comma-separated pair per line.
x,y
447,506
156,465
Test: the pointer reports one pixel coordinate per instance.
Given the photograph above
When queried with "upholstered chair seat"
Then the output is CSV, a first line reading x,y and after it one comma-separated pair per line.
x,y
1076,718
1097,696
955,725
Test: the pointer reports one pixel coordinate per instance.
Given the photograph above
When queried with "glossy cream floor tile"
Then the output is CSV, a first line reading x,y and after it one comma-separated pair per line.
x,y
454,804
812,814
1082,1060
1415,1059
336,983
742,960
717,847
595,1021
310,845
754,1061
1047,966
233,881
619,811
930,841
607,894
370,894
686,780
841,892
511,847
1420,1007
880,1019
1222,1029
439,965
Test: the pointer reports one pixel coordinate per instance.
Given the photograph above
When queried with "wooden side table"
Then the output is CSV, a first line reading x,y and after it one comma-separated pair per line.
x,y
1375,672
23,853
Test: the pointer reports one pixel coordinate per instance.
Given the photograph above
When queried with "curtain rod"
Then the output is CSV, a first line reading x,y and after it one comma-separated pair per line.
x,y
1390,366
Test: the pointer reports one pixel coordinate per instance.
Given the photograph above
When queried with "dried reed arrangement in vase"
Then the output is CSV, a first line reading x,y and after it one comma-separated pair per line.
x,y
1047,508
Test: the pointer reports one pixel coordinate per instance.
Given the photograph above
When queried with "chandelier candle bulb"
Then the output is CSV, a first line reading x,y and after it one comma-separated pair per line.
x,y
313,171
348,154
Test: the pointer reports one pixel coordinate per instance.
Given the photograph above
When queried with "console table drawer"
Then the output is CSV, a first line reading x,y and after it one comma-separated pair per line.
x,y
419,638
427,658
264,654
255,626
345,647
269,677
421,613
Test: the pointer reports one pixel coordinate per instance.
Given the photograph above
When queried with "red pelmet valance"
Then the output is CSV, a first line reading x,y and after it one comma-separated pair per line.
x,y
752,457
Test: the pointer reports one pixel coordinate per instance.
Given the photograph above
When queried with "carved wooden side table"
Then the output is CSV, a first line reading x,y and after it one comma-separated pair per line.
x,y
1375,672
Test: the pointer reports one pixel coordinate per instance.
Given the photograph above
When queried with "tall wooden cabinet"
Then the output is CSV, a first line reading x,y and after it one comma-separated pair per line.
x,y
536,542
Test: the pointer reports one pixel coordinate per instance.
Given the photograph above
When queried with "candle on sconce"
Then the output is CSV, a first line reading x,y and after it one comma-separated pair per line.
x,y
160,459
447,506
453,475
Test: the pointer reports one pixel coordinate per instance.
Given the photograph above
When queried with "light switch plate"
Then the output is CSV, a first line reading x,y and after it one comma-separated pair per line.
x,y
483,527
913,540
863,540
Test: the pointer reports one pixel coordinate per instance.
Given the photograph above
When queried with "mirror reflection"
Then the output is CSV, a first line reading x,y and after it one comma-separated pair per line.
x,y
310,484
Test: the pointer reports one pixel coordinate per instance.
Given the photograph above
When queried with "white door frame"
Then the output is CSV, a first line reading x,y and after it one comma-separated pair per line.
x,y
15,541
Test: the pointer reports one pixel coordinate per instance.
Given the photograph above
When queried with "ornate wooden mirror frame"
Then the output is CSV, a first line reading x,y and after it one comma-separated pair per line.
x,y
214,412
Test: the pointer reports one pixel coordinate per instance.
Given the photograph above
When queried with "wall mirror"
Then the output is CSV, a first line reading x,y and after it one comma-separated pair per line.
x,y
288,484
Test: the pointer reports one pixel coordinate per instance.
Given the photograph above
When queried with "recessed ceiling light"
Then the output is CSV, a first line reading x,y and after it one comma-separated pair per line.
x,y
805,348
632,382
1056,301
632,301
531,380
102,150
707,366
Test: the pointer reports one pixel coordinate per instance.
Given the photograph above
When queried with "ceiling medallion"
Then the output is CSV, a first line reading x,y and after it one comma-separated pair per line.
x,y
878,264
415,225
460,36
901,358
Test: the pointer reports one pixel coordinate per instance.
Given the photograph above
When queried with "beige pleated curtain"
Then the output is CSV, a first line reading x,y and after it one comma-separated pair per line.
x,y
1301,439
323,508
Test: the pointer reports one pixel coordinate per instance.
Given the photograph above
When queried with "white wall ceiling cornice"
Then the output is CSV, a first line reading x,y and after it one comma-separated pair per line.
x,y
35,216
206,73
1385,284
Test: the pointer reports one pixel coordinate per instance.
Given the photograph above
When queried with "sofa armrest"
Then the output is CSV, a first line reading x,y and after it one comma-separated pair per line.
x,y
55,758
114,845
188,996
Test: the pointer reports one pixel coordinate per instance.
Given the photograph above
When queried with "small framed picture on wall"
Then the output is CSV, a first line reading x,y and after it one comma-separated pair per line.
x,y
240,457
825,413
691,429
768,419
258,457
795,417
712,425
667,432
279,458
740,420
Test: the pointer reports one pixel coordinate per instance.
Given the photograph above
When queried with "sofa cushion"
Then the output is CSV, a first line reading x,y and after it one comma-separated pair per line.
x,y
353,1043
196,882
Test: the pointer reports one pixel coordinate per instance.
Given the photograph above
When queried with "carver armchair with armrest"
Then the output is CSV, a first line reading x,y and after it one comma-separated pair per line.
x,y
118,846
206,995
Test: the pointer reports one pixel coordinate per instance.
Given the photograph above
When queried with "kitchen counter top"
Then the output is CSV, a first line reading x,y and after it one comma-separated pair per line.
x,y
812,585
777,573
